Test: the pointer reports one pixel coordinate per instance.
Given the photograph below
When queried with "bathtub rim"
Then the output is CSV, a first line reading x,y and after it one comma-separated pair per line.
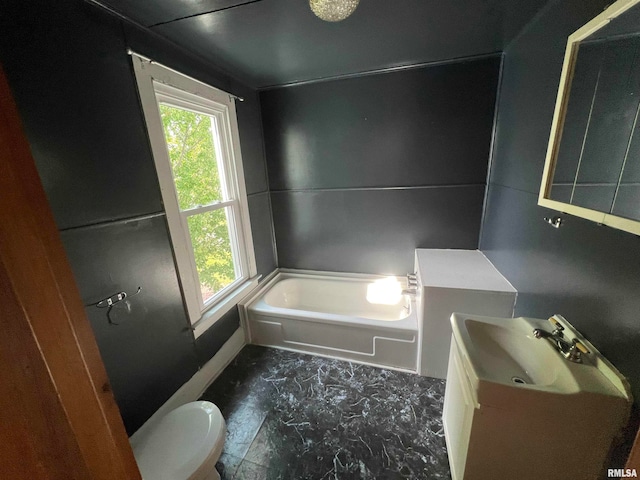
x,y
256,302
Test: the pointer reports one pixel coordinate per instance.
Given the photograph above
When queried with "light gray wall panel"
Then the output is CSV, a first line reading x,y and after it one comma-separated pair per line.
x,y
252,144
150,353
530,77
373,231
208,344
351,164
262,229
423,126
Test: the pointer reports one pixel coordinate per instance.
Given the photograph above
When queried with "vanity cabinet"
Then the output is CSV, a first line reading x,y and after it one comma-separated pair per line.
x,y
457,415
515,407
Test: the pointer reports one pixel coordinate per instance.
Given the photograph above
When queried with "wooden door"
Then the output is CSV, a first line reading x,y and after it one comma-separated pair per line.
x,y
58,417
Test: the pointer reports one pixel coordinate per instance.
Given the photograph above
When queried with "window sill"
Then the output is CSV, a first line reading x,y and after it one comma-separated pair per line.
x,y
216,312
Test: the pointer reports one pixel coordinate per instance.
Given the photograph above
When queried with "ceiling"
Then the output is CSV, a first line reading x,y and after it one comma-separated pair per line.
x,y
274,42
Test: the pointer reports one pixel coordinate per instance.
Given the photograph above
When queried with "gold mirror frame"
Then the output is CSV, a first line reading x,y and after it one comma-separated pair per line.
x,y
562,101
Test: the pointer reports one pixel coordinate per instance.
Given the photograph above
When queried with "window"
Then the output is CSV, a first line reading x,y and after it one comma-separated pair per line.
x,y
194,138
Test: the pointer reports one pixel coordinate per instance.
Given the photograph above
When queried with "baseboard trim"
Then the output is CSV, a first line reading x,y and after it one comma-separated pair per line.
x,y
201,380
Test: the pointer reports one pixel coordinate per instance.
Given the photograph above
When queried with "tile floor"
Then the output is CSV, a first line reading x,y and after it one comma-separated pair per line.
x,y
292,416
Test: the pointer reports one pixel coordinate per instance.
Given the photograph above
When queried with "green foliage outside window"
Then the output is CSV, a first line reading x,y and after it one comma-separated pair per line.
x,y
196,174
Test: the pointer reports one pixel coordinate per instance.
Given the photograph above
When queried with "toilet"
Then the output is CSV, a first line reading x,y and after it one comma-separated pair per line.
x,y
185,444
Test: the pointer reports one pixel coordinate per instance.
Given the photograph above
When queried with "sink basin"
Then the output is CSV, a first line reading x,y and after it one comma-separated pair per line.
x,y
503,356
507,353
509,393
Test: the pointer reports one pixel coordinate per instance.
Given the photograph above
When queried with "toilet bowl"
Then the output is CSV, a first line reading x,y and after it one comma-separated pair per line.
x,y
185,444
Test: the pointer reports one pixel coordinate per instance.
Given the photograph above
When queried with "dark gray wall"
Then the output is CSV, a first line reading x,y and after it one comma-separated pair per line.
x,y
74,85
588,273
364,170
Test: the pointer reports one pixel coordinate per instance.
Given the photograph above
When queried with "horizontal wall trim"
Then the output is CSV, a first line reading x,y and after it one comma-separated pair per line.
x,y
105,223
255,194
379,71
593,184
496,184
352,189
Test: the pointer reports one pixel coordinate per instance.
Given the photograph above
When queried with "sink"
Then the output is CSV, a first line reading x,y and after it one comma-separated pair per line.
x,y
504,360
513,400
510,354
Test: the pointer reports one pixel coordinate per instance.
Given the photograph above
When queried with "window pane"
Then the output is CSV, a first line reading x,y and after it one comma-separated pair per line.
x,y
189,137
212,248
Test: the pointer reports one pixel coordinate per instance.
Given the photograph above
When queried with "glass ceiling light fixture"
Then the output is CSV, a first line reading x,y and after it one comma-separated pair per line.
x,y
333,10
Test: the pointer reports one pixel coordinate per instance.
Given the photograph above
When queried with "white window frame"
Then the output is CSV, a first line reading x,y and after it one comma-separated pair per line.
x,y
157,83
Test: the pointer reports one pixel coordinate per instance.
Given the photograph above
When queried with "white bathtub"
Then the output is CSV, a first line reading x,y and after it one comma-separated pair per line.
x,y
333,315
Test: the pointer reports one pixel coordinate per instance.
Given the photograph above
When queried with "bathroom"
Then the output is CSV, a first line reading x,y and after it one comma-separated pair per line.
x,y
447,153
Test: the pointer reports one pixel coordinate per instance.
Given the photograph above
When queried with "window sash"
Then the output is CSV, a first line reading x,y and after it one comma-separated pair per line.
x,y
235,237
171,96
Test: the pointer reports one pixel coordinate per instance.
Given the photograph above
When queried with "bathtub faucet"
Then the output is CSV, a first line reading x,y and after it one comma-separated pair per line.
x,y
412,285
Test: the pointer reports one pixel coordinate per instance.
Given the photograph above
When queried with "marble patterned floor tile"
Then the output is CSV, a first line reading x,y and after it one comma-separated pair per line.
x,y
330,419
227,466
241,382
251,471
243,424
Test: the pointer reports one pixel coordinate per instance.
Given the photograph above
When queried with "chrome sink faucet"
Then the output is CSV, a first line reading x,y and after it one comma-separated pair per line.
x,y
572,351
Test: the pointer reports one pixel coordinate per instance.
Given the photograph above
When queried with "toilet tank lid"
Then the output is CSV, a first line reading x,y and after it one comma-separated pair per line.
x,y
181,443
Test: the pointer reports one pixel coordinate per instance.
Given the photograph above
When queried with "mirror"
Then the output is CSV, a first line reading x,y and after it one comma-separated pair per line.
x,y
593,160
